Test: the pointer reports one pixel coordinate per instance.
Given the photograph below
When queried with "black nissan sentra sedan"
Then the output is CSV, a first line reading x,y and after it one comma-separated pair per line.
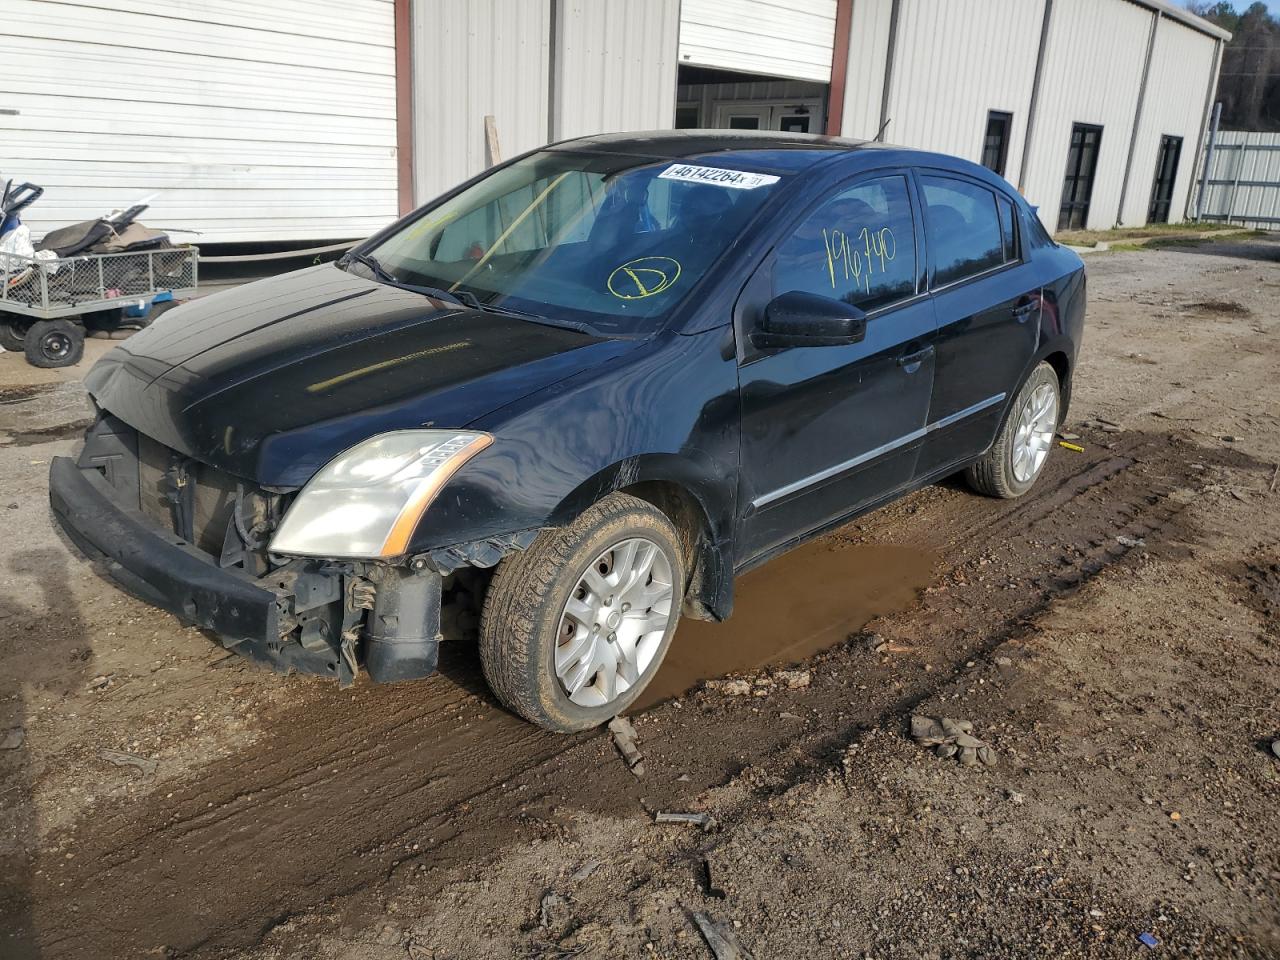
x,y
620,370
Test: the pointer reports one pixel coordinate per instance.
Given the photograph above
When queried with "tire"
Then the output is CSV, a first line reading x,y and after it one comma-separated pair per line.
x,y
525,617
103,321
156,312
141,323
1010,468
12,335
54,343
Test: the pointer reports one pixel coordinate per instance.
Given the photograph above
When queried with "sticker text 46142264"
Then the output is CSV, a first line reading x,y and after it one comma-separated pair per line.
x,y
717,176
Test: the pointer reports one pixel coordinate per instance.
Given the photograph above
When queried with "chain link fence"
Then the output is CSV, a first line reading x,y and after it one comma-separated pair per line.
x,y
61,287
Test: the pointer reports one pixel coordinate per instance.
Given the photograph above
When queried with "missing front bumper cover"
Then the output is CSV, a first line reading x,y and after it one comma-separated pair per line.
x,y
301,616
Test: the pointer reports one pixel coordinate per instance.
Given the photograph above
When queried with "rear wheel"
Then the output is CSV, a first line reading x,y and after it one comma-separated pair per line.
x,y
576,626
1010,468
11,335
54,343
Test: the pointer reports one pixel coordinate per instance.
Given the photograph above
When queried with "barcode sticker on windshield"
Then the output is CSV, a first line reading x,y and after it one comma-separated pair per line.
x,y
737,179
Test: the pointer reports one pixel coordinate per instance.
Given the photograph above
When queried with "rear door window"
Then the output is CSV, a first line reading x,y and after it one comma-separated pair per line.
x,y
858,246
963,229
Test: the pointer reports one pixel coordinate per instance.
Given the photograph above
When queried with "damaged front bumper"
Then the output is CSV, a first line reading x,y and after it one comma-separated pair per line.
x,y
321,617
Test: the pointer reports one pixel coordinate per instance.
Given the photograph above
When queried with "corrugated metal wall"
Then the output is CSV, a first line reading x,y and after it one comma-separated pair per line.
x,y
1244,180
864,78
473,58
1092,74
785,38
956,68
251,120
615,66
1181,62
956,60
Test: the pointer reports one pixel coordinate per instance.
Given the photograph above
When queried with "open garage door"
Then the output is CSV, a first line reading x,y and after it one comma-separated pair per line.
x,y
777,38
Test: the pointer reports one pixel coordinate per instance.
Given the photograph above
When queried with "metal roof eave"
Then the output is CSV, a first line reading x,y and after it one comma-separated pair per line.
x,y
1175,12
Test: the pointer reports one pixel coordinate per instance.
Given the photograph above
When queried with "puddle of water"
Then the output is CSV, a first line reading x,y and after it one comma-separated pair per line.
x,y
800,604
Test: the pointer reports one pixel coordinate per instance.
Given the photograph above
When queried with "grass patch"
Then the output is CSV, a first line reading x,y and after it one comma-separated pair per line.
x,y
1086,238
1189,240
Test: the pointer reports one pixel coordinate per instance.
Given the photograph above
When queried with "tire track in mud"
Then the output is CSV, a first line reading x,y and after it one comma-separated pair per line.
x,y
329,803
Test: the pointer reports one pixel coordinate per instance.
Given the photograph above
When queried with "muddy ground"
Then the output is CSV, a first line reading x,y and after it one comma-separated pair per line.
x,y
1113,636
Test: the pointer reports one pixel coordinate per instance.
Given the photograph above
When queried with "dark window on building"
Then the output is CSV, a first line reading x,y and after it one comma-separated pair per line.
x,y
995,147
744,123
686,118
858,247
1077,187
1166,174
962,228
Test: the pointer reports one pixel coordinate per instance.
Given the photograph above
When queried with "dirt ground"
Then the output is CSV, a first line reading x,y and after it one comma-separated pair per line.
x,y
1113,636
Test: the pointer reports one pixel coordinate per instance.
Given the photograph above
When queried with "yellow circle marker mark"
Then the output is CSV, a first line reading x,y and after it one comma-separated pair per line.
x,y
643,277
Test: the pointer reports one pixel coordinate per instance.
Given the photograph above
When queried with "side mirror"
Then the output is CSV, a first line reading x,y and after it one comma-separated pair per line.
x,y
798,319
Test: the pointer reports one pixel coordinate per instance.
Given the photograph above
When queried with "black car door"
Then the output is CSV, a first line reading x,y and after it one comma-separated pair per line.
x,y
827,429
987,300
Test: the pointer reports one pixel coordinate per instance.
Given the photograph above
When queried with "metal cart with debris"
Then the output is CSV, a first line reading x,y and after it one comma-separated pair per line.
x,y
46,305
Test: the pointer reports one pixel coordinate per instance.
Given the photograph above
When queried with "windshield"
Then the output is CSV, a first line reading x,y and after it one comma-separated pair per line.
x,y
614,242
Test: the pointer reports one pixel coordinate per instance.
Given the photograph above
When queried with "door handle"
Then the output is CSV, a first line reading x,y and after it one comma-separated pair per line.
x,y
913,360
1025,310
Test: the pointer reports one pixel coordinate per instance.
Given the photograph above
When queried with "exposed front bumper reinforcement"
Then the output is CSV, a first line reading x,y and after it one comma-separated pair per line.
x,y
308,616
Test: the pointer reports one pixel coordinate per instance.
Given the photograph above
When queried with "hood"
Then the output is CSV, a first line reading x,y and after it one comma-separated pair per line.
x,y
271,380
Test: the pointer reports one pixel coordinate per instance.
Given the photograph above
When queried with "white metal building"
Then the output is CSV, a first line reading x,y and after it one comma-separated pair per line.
x,y
309,120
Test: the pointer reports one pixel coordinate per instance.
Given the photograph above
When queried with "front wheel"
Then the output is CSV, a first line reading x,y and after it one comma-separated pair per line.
x,y
576,626
1010,468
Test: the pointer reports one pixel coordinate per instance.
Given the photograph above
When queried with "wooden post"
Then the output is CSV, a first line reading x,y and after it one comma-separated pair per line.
x,y
492,151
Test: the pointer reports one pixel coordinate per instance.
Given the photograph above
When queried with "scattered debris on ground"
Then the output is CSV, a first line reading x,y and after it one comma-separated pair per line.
x,y
120,759
1131,693
952,738
703,820
624,738
722,941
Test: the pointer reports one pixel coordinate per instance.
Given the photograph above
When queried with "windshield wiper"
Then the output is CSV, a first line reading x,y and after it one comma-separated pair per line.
x,y
371,263
538,318
465,299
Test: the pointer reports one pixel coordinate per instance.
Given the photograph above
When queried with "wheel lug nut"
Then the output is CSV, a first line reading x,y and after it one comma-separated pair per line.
x,y
626,607
613,638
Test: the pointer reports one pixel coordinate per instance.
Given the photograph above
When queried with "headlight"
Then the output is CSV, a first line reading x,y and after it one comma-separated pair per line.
x,y
366,502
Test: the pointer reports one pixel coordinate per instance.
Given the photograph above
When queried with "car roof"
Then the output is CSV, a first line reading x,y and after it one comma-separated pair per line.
x,y
766,151
754,150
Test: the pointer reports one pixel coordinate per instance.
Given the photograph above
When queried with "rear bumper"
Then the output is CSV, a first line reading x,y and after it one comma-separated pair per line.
x,y
157,566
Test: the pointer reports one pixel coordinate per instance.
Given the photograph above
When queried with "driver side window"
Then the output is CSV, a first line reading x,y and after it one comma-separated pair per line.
x,y
858,246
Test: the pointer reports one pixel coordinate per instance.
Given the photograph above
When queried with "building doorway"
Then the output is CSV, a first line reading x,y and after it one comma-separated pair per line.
x,y
724,100
1077,187
1166,175
796,117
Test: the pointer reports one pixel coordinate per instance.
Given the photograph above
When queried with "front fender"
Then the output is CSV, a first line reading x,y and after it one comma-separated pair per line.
x,y
666,412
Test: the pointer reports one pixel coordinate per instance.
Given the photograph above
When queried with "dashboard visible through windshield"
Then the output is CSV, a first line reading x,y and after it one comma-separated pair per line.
x,y
615,242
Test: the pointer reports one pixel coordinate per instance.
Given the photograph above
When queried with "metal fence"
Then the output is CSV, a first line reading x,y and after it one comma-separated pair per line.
x,y
72,285
1243,182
